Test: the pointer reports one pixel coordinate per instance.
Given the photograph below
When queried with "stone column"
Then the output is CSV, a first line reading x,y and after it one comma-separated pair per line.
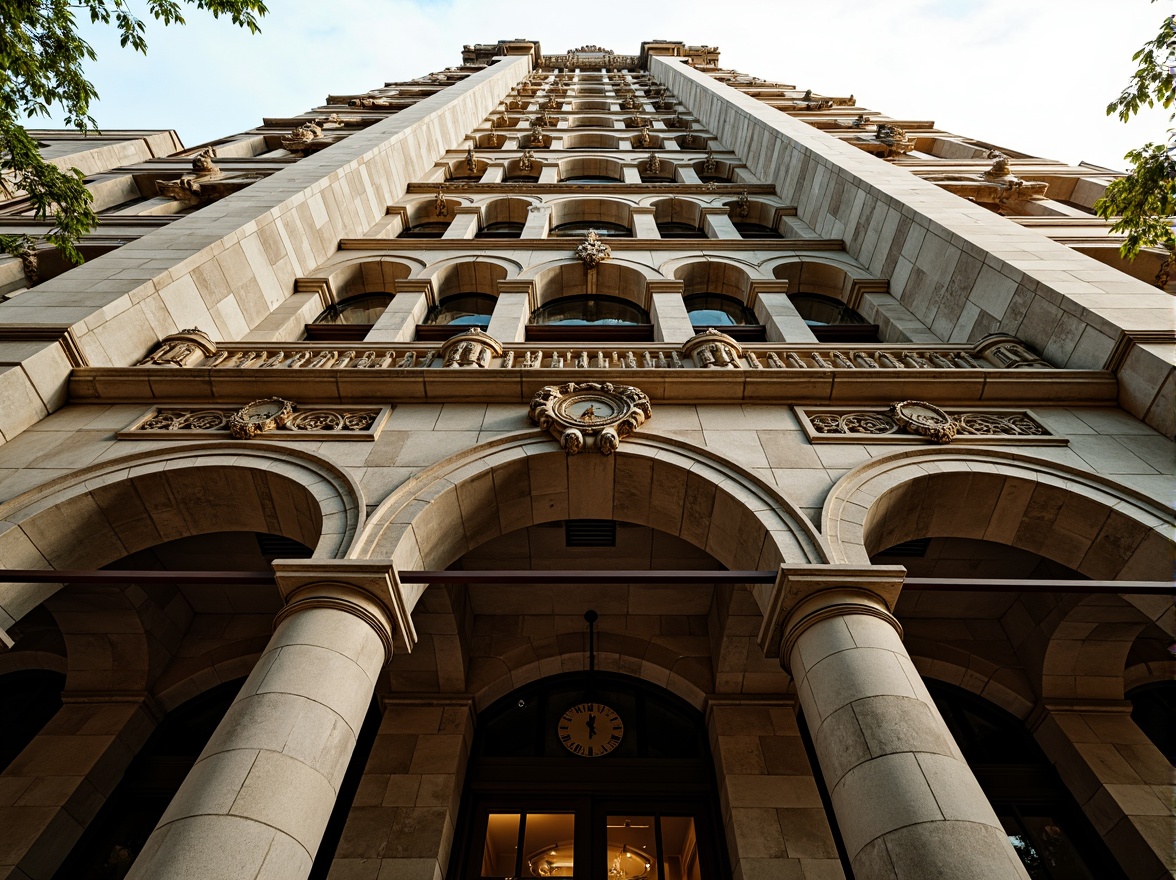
x,y
716,222
259,796
465,222
408,308
644,224
508,322
404,815
782,323
906,802
538,218
1122,781
671,322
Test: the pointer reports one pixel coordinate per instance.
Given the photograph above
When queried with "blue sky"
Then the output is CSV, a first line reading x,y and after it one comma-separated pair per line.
x,y
1030,75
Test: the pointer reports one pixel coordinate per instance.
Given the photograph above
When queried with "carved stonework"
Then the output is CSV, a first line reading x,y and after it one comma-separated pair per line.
x,y
183,349
914,417
996,185
592,251
713,350
474,348
318,423
259,417
653,163
590,415
920,417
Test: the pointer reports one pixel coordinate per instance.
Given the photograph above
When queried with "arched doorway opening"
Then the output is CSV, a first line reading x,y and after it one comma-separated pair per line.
x,y
1049,832
635,797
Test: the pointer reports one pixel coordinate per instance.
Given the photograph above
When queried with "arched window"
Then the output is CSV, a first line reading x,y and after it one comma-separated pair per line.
x,y
502,229
590,178
590,318
350,318
1052,836
580,228
590,310
676,229
539,806
831,320
715,310
433,229
462,310
755,230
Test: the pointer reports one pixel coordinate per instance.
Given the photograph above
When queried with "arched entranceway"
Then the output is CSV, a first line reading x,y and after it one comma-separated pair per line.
x,y
591,776
1057,655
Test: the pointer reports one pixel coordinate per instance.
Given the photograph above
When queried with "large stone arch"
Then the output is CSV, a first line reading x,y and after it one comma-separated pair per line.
x,y
1071,645
620,653
1089,523
524,480
519,481
104,512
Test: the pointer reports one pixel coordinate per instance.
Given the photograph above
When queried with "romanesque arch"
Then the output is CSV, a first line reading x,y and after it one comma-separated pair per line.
x,y
620,278
494,489
367,275
525,480
102,513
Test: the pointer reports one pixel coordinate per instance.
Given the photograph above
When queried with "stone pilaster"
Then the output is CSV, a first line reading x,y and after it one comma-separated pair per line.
x,y
1122,781
402,822
772,812
259,796
55,787
906,802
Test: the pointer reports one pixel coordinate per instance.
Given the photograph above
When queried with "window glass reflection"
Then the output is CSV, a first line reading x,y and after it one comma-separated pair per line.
x,y
548,850
362,309
502,845
631,848
679,858
1043,846
589,310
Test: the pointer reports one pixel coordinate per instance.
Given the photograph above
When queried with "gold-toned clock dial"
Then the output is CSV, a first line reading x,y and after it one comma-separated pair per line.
x,y
590,730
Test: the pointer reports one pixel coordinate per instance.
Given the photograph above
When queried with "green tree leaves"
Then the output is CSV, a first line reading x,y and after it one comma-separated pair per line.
x,y
42,65
1143,204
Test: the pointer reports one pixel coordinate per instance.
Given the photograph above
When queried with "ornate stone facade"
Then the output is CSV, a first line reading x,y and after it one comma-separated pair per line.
x,y
641,479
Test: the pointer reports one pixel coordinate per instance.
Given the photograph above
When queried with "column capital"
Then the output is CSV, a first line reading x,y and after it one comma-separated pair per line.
x,y
368,589
806,594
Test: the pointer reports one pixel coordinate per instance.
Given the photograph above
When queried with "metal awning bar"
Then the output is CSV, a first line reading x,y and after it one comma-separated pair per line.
x,y
580,576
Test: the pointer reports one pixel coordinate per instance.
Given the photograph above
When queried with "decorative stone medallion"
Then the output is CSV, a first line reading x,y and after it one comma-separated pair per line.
x,y
923,418
260,416
590,415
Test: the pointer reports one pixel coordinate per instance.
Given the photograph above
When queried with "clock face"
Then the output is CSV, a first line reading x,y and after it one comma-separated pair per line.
x,y
590,730
590,410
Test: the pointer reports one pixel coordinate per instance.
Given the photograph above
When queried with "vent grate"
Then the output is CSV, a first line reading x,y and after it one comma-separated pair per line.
x,y
279,547
908,549
590,533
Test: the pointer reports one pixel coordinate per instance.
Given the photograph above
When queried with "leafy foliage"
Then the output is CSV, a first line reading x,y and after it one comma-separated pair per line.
x,y
42,61
1143,204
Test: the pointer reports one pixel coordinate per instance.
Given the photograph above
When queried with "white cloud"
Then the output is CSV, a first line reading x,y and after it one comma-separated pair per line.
x,y
1030,75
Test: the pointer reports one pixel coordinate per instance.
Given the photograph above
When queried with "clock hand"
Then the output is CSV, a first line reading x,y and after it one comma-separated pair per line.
x,y
591,726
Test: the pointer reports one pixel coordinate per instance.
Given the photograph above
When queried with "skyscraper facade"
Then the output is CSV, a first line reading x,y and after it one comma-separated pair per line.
x,y
586,465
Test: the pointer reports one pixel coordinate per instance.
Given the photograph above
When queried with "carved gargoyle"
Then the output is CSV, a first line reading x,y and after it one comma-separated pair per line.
x,y
995,185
